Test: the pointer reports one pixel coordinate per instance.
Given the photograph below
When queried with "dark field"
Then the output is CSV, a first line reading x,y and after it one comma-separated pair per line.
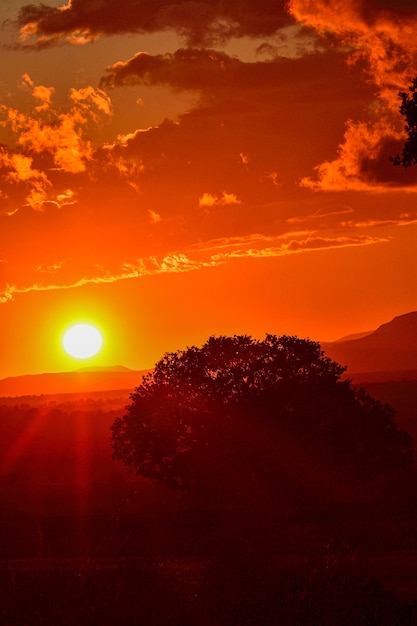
x,y
174,590
168,571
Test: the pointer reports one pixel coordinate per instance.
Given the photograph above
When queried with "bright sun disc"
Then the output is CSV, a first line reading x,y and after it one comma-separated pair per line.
x,y
82,341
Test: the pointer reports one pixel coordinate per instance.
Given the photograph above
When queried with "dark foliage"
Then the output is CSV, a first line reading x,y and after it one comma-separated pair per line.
x,y
408,109
244,414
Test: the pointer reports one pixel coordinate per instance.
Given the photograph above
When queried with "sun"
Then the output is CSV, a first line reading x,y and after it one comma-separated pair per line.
x,y
82,341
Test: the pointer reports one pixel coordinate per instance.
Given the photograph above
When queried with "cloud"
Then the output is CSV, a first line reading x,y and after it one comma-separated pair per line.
x,y
61,138
48,139
214,72
142,190
60,275
403,220
261,246
363,163
236,124
17,170
208,199
90,98
197,21
20,168
154,217
193,69
320,214
39,92
380,33
188,68
61,134
380,37
238,152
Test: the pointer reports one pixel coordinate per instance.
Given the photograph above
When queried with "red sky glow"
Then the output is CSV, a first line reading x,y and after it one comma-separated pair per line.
x,y
173,170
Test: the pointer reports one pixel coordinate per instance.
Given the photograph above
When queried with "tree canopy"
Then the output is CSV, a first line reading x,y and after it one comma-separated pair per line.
x,y
258,410
408,109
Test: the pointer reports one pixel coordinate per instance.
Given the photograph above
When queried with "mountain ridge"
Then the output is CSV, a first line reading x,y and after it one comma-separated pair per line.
x,y
77,381
392,347
408,320
105,368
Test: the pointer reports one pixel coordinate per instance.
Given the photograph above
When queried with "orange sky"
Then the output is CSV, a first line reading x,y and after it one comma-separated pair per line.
x,y
173,170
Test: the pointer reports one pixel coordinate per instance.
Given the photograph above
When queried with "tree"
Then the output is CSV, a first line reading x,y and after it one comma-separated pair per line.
x,y
408,108
239,412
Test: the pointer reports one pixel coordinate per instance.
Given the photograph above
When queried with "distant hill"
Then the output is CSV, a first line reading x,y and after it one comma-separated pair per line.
x,y
390,349
354,336
79,381
105,368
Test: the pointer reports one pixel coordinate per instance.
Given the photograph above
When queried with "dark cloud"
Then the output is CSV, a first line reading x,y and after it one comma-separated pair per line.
x,y
373,8
199,22
185,69
380,37
364,162
215,72
378,168
255,109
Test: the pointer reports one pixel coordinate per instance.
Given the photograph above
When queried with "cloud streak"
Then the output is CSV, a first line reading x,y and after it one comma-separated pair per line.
x,y
214,253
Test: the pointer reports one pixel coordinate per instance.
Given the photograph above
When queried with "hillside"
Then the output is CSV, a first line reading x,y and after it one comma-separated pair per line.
x,y
79,381
390,349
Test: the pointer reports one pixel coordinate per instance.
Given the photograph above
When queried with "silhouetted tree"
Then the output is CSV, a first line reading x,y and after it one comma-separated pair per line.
x,y
245,412
408,108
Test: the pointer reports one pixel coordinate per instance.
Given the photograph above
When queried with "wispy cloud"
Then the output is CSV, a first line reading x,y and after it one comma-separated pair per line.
x,y
216,252
319,215
259,246
57,276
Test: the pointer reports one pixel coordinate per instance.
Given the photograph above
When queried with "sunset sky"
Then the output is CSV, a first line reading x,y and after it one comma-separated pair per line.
x,y
172,170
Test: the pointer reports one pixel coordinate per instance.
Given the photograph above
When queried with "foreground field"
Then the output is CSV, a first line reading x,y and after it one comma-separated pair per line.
x,y
153,571
212,592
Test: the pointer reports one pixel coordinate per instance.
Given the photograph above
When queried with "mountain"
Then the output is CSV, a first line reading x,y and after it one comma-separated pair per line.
x,y
354,336
105,368
79,381
391,348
